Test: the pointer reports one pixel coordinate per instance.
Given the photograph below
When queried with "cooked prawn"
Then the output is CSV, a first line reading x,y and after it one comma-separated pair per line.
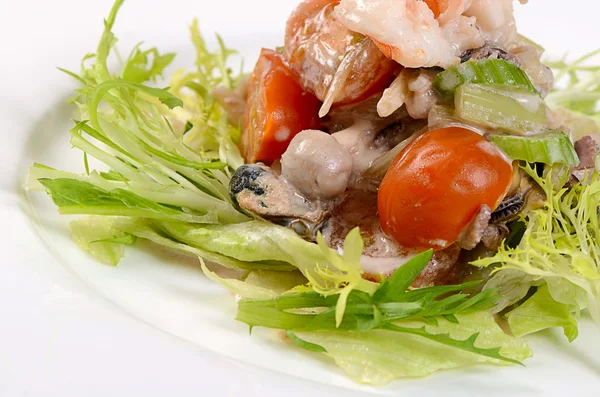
x,y
427,33
496,20
411,32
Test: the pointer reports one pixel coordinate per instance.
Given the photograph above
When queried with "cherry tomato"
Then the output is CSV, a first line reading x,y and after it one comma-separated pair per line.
x,y
315,44
436,186
278,108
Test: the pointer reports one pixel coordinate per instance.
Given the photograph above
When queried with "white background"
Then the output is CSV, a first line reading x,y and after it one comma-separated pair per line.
x,y
57,337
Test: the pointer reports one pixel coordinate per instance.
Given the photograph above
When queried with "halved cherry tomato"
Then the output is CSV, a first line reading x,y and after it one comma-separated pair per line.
x,y
436,186
277,109
315,44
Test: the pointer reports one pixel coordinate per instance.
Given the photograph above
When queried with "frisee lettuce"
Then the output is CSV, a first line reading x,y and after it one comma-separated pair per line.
x,y
130,128
561,245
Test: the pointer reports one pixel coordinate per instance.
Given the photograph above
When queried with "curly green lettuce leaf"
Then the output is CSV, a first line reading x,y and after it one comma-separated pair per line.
x,y
206,126
380,356
541,312
146,65
149,169
96,235
561,244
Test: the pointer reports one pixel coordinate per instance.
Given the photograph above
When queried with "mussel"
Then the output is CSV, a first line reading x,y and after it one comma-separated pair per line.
x,y
259,192
524,196
489,51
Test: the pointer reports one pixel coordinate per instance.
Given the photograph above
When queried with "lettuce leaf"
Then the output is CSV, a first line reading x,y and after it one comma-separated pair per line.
x,y
78,197
239,287
561,245
258,240
378,357
96,235
512,286
258,284
540,312
148,230
392,332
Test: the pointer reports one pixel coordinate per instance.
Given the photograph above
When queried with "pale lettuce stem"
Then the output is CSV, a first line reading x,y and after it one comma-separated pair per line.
x,y
132,212
41,173
165,174
136,155
210,185
196,200
108,159
166,167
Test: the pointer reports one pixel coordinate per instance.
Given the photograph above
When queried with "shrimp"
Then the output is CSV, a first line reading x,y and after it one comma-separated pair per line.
x,y
325,54
416,33
496,20
446,10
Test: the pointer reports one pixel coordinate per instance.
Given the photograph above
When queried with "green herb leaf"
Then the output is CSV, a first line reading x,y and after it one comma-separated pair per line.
x,y
466,345
304,344
395,287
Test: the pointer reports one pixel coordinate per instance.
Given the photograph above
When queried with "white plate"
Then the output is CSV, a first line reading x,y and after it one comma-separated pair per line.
x,y
72,327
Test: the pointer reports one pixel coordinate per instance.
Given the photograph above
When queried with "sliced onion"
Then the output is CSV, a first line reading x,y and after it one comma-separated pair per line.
x,y
395,96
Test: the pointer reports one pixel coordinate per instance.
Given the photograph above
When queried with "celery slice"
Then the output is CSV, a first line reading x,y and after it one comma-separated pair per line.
x,y
485,71
512,109
553,147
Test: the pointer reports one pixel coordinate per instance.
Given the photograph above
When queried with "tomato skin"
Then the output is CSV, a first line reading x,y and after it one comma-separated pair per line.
x,y
278,108
436,186
315,44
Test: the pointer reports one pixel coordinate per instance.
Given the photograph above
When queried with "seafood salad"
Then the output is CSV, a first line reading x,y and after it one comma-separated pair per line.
x,y
403,186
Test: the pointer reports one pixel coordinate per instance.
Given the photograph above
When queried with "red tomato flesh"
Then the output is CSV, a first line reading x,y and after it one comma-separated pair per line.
x,y
278,108
436,186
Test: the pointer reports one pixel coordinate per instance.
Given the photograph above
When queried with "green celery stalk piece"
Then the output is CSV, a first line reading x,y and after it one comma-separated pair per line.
x,y
553,147
511,109
485,71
